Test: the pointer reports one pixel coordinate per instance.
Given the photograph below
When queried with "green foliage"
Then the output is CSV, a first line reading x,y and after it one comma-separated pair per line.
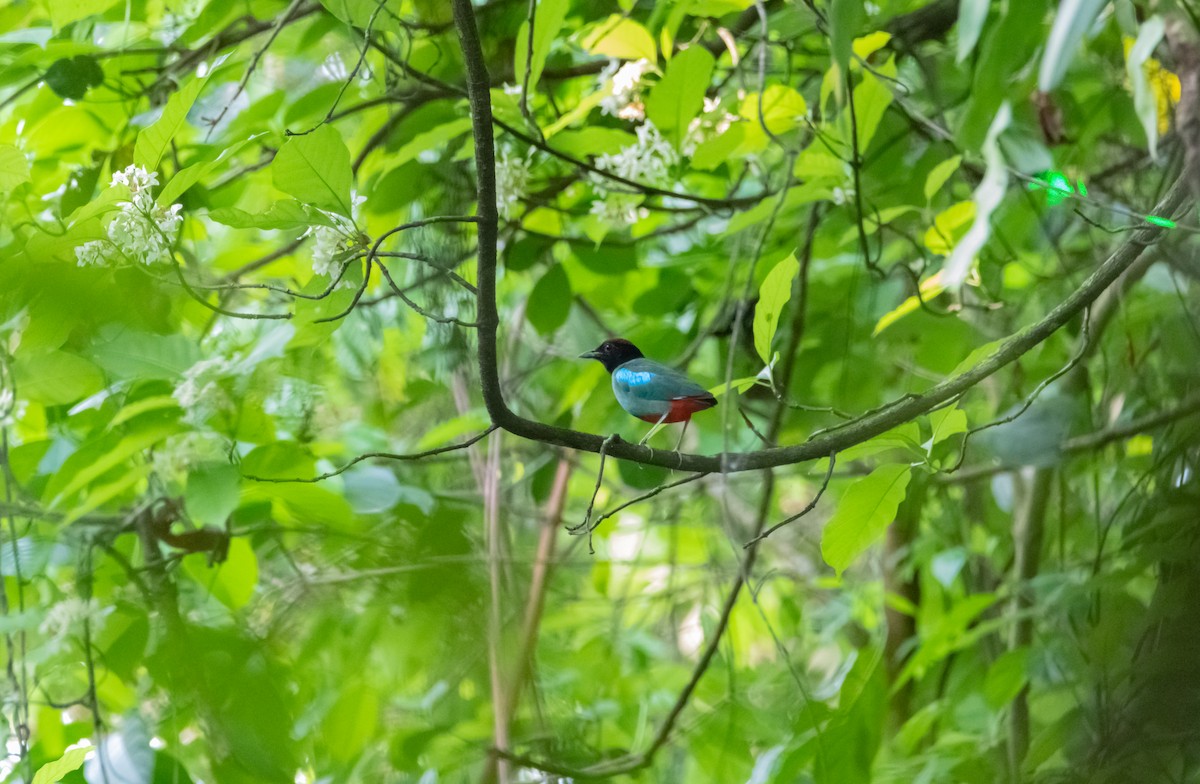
x,y
54,772
256,524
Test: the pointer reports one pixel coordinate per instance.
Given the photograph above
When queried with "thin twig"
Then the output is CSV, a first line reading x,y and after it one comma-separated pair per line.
x,y
811,505
380,455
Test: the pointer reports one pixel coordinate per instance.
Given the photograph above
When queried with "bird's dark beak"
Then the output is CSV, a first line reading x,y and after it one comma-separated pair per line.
x,y
589,355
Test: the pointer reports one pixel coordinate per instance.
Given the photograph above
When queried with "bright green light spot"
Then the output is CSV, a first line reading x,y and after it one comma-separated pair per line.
x,y
1058,188
1165,223
1082,189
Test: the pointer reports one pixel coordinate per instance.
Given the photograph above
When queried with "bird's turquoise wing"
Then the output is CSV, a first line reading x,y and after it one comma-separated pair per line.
x,y
645,388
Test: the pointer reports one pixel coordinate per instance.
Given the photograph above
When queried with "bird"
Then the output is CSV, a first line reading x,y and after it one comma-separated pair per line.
x,y
650,390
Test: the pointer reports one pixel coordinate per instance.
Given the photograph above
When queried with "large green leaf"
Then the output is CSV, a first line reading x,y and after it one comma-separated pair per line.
x,y
72,77
679,95
56,377
212,493
283,214
315,168
54,772
845,18
622,38
547,23
152,143
773,296
864,512
14,168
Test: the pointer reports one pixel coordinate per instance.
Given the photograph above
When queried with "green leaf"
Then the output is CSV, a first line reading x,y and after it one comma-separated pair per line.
x,y
453,429
315,168
587,142
946,422
283,214
371,489
550,301
863,514
781,108
56,377
944,233
971,16
1006,677
14,168
152,143
871,99
189,176
130,354
547,22
1071,23
621,38
845,18
718,150
773,295
53,772
1145,103
72,77
63,12
212,493
939,174
230,582
280,460
431,139
679,95
103,454
353,720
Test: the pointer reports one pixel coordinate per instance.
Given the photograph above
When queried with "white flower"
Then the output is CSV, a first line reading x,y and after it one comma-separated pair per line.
x,y
620,209
712,121
137,179
94,254
626,80
648,160
331,242
333,69
512,182
142,231
199,393
67,617
179,454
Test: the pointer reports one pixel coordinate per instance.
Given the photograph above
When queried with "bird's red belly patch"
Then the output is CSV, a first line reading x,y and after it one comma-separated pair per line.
x,y
681,409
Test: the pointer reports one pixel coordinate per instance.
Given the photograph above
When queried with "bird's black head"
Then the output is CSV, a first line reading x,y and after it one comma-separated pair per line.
x,y
613,353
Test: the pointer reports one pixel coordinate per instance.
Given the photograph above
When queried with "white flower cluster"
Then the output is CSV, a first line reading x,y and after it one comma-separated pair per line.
x,y
200,394
331,242
142,231
512,182
625,101
175,457
648,160
67,617
712,121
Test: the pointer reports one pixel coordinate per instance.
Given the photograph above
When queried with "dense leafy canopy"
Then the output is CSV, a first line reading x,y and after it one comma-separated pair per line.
x,y
266,519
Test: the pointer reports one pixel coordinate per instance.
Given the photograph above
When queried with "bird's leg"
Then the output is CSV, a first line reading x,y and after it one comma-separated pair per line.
x,y
654,429
682,433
